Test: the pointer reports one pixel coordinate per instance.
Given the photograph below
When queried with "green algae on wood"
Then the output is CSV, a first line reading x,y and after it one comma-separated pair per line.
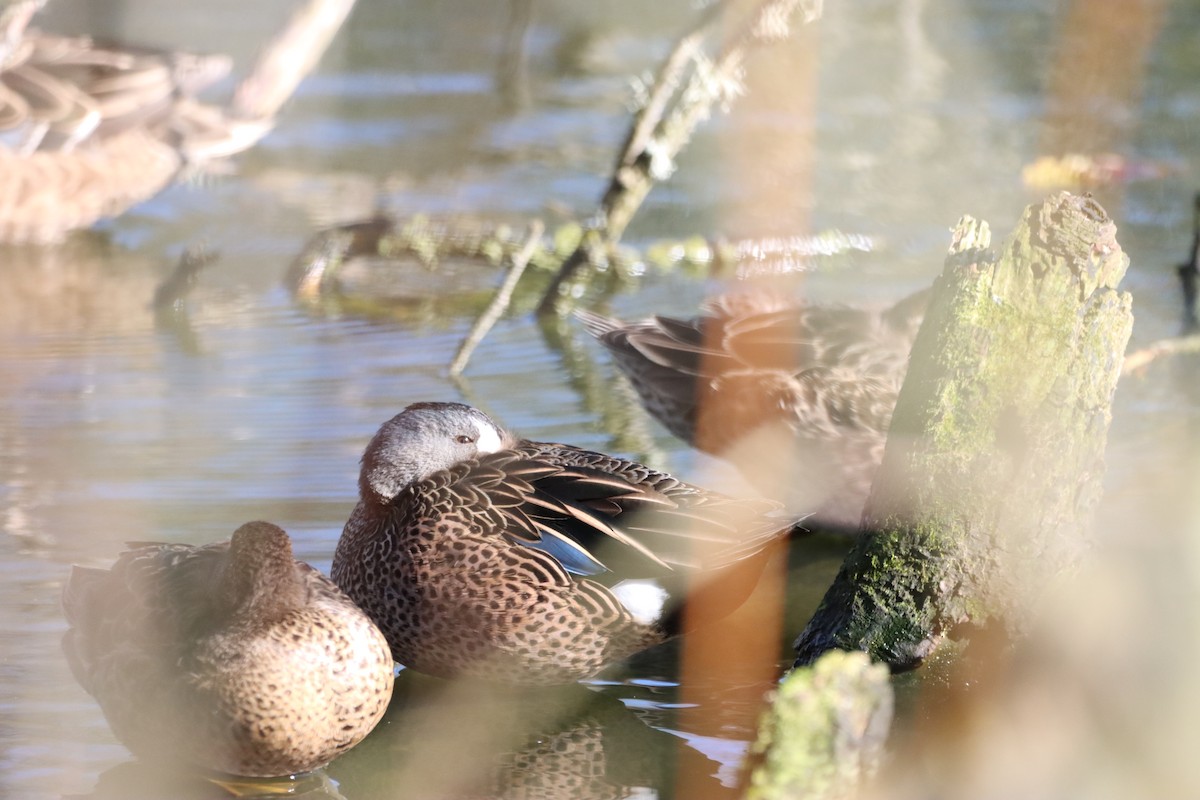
x,y
825,731
994,460
424,267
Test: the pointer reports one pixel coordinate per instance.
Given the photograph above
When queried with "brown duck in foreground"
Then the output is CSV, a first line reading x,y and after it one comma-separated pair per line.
x,y
799,398
233,656
484,555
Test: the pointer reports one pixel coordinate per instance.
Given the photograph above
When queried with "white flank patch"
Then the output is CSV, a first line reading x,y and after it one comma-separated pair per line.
x,y
489,440
643,599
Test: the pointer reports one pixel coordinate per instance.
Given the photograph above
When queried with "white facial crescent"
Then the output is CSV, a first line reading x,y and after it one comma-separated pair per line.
x,y
489,440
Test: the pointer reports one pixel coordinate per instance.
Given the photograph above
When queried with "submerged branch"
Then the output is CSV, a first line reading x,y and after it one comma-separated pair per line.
x,y
171,292
1189,340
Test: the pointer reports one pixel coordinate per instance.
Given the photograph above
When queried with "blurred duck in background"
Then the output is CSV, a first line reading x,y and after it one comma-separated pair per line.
x,y
799,398
89,129
233,656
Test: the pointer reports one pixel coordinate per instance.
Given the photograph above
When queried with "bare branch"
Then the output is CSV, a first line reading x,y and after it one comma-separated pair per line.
x,y
686,88
500,302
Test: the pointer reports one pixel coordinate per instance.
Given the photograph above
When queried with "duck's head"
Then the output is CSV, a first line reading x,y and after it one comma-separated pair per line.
x,y
259,584
423,439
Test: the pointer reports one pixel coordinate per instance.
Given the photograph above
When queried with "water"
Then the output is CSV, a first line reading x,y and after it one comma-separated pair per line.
x,y
116,425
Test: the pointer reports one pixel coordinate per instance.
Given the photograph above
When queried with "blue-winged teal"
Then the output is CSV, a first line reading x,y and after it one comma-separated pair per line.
x,y
89,128
233,656
798,397
481,554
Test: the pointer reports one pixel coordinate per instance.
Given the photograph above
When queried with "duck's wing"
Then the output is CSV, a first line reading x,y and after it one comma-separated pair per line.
x,y
84,590
663,358
535,503
153,600
88,128
805,337
683,347
66,89
615,519
907,314
763,330
773,340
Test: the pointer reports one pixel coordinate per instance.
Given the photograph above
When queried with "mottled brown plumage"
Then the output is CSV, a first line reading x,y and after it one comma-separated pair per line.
x,y
89,128
522,562
233,656
798,397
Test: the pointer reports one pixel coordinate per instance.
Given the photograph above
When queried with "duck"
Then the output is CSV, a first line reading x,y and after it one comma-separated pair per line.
x,y
233,657
486,556
90,128
798,397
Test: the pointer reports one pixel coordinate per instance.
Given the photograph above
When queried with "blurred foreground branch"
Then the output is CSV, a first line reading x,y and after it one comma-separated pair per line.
x,y
994,460
288,57
688,84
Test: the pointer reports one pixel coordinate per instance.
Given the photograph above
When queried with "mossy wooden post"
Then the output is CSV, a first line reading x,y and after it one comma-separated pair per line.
x,y
994,460
825,731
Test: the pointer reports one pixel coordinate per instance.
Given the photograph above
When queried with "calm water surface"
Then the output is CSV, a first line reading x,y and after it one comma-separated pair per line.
x,y
117,426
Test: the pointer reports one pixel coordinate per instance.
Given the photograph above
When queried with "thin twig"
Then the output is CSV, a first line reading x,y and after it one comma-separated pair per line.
x,y
512,71
500,302
1139,359
648,117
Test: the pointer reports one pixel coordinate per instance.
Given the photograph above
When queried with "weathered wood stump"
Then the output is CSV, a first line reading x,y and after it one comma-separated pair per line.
x,y
994,460
825,731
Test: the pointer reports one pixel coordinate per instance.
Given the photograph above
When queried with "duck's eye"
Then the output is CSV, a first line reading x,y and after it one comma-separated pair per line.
x,y
462,438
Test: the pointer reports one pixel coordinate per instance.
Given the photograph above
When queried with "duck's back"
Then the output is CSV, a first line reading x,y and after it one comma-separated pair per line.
x,y
456,599
183,676
800,398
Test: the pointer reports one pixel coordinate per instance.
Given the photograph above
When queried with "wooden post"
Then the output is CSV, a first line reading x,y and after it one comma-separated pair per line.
x,y
994,460
825,731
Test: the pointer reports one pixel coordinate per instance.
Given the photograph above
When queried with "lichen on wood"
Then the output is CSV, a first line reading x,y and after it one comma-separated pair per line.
x,y
825,731
994,459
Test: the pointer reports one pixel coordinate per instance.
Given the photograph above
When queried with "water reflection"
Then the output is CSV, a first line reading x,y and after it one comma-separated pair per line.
x,y
111,429
86,286
469,740
135,780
